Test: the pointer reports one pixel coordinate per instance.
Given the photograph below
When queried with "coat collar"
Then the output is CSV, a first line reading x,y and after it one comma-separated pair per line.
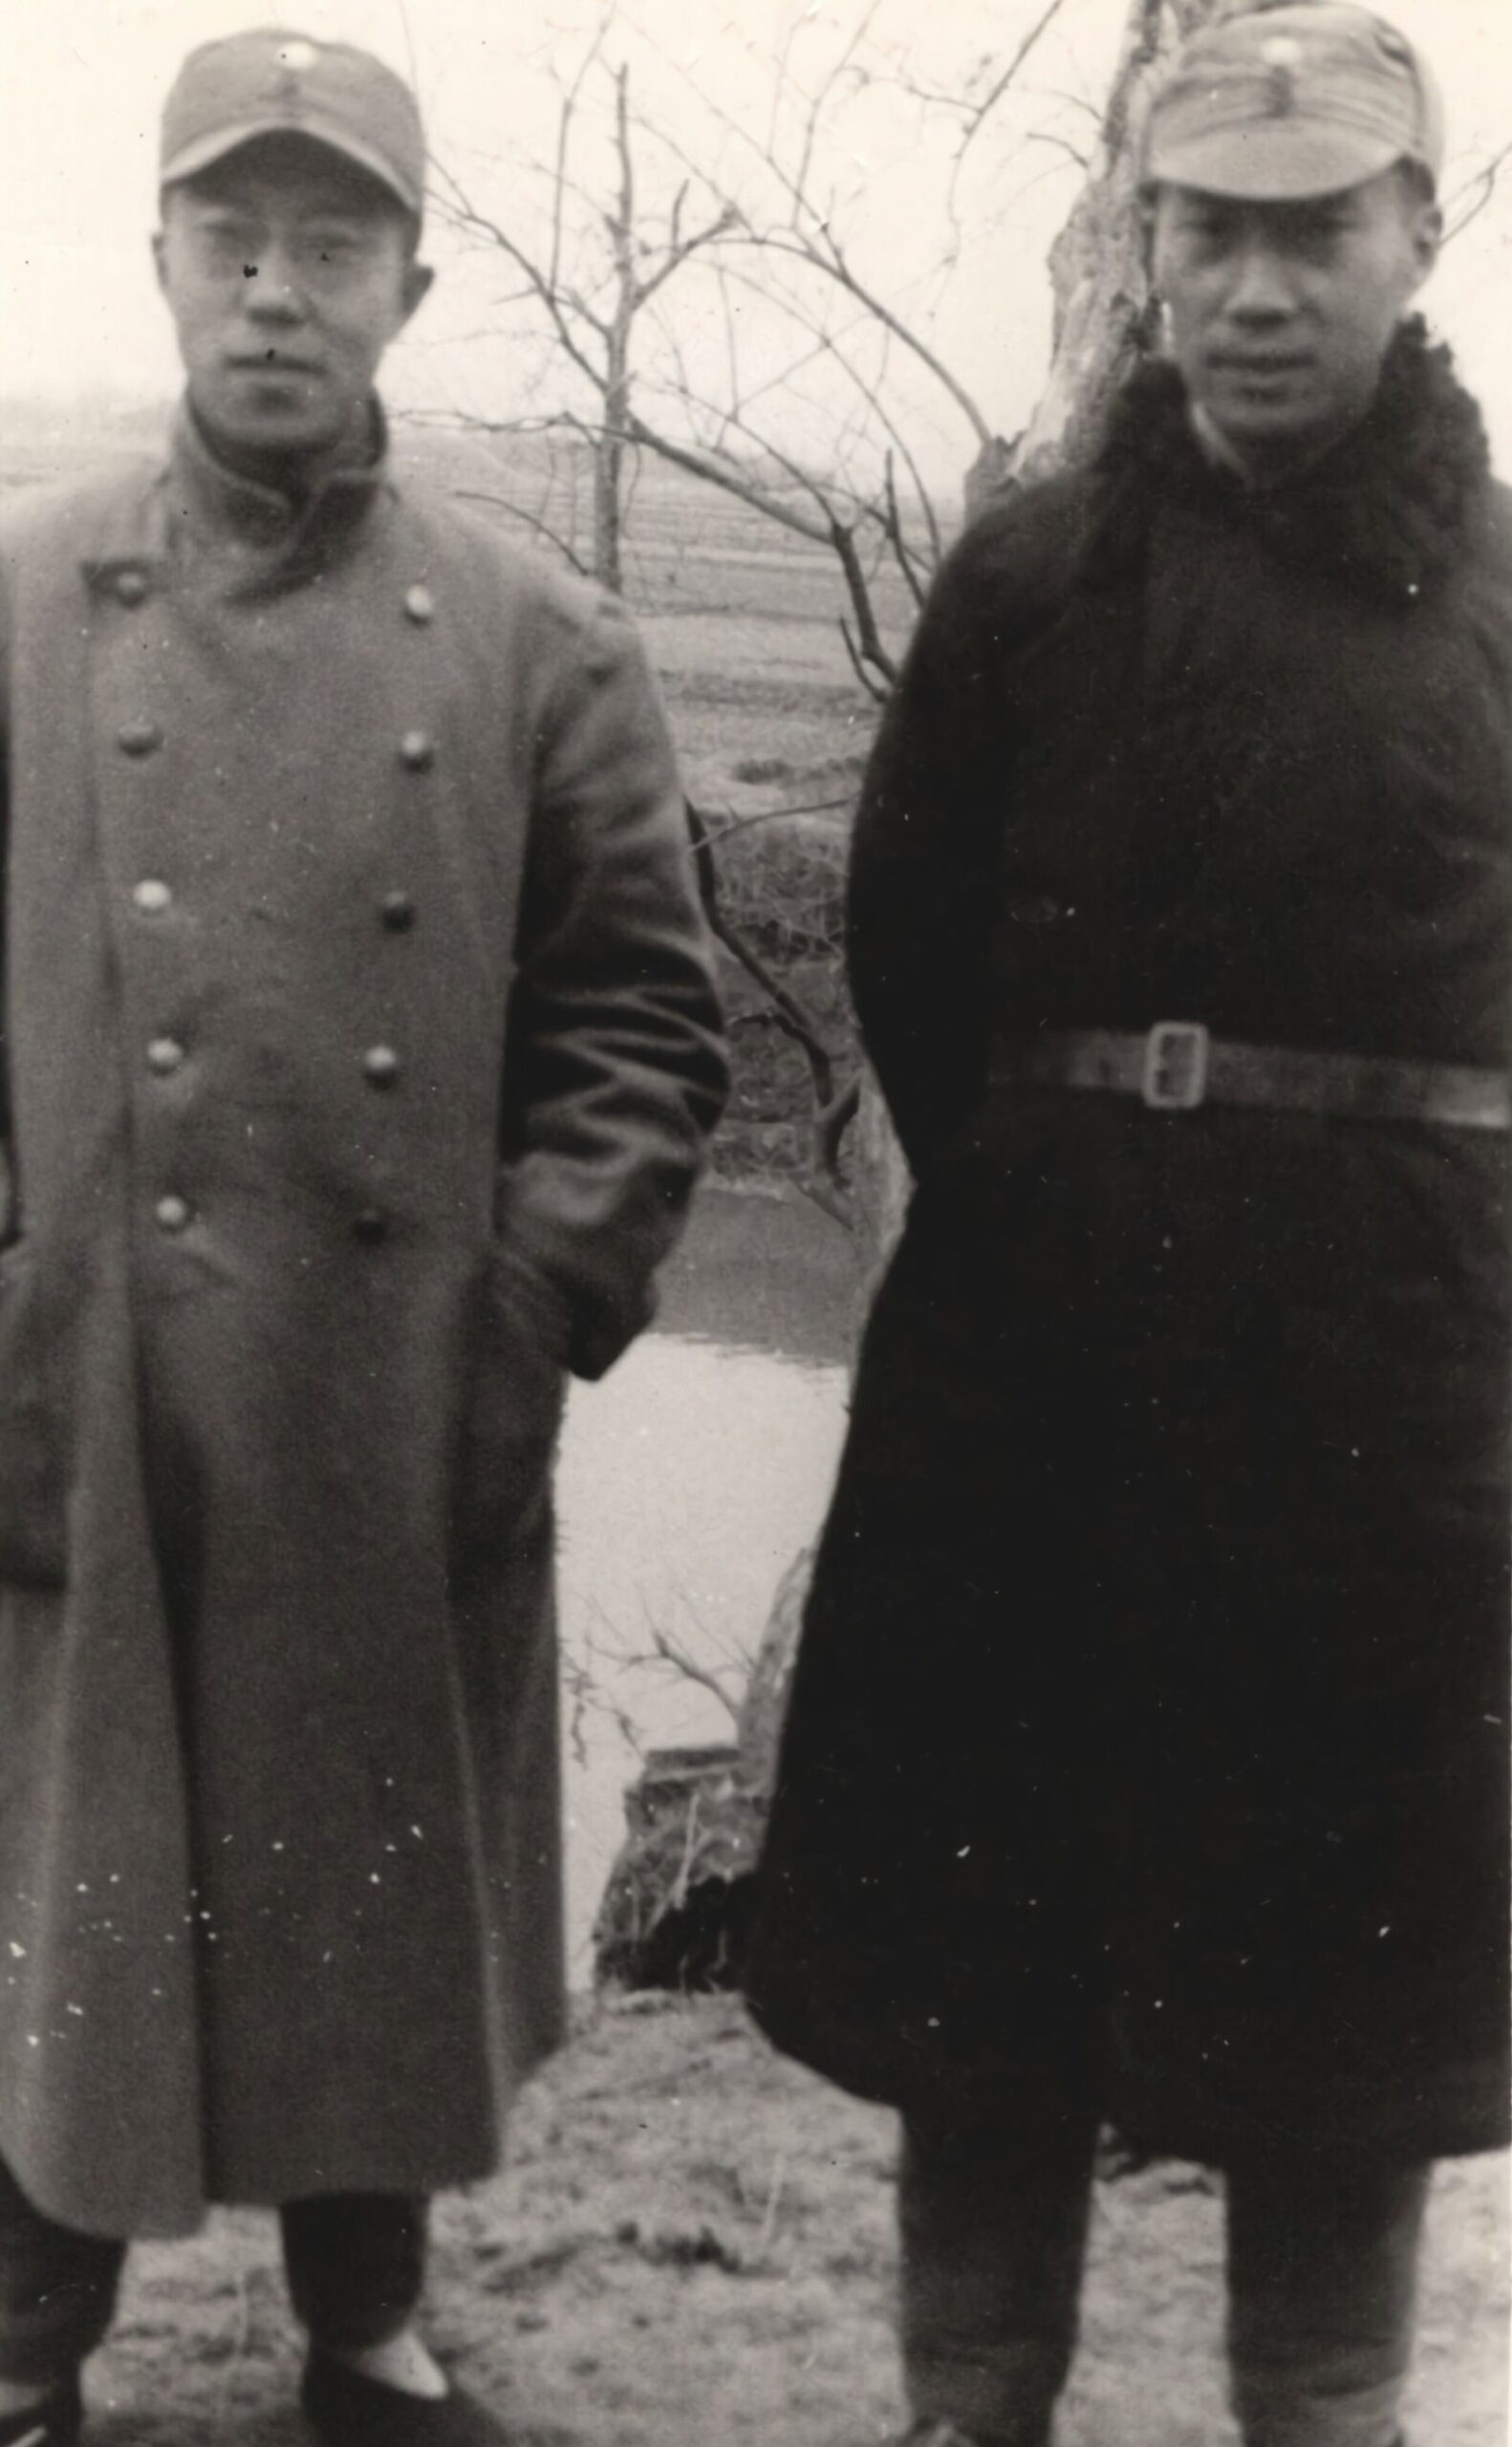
x,y
1391,509
196,498
222,503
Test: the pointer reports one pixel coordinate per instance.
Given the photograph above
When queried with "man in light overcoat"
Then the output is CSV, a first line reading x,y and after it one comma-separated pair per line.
x,y
360,1045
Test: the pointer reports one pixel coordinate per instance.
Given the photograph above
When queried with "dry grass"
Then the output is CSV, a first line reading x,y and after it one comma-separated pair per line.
x,y
694,2246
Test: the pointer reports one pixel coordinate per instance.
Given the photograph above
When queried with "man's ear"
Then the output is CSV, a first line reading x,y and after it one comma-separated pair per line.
x,y
159,264
1427,235
1147,208
416,284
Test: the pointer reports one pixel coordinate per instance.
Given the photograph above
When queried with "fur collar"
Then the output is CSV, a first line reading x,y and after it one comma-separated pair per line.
x,y
1389,507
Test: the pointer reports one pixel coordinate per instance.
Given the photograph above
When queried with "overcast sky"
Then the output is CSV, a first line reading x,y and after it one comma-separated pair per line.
x,y
81,84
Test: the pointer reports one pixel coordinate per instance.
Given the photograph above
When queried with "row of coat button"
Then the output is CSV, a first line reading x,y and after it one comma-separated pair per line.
x,y
396,910
140,737
174,1214
133,587
380,1064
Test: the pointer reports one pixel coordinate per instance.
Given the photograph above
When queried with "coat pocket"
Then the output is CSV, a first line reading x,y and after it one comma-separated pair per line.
x,y
33,1472
516,1386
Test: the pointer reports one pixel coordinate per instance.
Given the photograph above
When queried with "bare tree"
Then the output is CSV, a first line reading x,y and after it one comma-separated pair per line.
x,y
748,218
592,312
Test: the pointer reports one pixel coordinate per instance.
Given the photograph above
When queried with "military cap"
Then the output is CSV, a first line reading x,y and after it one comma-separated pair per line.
x,y
270,82
1297,100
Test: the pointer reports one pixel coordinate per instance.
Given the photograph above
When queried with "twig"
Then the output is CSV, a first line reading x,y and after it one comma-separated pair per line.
x,y
789,1012
528,518
769,2224
1481,188
1003,82
877,694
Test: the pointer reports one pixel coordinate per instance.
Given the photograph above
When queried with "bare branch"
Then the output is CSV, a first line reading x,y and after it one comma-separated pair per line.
x,y
1001,84
528,518
835,267
680,252
721,473
559,182
893,526
830,1127
461,209
788,1012
1470,200
669,1652
877,694
857,36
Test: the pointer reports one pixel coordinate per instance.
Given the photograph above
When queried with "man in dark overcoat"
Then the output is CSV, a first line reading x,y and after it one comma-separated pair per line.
x,y
360,1045
1146,1757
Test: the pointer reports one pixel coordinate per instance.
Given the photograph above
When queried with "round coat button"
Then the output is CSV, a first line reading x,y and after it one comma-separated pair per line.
x,y
369,1226
130,587
380,1066
138,738
1036,909
151,895
417,751
172,1213
419,605
397,912
164,1055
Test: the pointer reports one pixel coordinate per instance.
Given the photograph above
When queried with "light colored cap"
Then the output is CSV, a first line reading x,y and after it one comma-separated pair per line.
x,y
1293,100
272,82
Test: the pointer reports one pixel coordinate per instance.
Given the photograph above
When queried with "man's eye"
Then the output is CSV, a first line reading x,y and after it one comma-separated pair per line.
x,y
1321,229
222,242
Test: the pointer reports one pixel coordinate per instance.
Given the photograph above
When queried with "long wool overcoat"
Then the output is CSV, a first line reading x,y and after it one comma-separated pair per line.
x,y
360,1043
1147,1747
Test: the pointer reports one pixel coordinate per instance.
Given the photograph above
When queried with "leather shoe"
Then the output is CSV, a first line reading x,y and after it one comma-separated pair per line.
x,y
931,2431
350,2409
54,2421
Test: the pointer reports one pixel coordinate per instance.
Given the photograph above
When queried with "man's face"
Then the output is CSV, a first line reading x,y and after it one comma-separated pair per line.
x,y
287,272
1281,313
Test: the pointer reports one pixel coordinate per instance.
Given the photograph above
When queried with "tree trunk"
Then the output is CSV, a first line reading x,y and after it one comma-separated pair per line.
x,y
609,452
609,486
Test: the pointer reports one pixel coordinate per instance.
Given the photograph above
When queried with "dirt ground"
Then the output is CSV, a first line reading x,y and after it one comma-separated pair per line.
x,y
693,2246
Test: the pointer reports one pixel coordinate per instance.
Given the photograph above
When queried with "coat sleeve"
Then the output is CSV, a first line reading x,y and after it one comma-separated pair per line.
x,y
614,1071
936,808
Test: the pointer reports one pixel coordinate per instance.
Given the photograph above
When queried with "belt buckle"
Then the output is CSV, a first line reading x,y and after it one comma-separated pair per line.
x,y
1174,1077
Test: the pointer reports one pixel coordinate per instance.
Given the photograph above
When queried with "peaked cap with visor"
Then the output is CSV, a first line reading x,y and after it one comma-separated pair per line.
x,y
272,82
1303,99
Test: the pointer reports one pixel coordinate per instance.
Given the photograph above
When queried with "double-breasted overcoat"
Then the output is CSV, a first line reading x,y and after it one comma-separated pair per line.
x,y
359,1042
1147,1740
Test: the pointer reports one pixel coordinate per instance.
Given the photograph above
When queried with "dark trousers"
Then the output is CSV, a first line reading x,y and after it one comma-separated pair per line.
x,y
1322,2269
355,2263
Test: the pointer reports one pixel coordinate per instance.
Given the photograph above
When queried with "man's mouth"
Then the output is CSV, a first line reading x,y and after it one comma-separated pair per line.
x,y
271,360
1259,366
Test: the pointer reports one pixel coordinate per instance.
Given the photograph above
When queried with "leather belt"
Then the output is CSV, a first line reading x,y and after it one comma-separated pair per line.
x,y
1177,1066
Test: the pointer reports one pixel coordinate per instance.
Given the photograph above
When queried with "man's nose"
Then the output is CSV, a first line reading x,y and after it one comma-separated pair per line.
x,y
276,288
1262,290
